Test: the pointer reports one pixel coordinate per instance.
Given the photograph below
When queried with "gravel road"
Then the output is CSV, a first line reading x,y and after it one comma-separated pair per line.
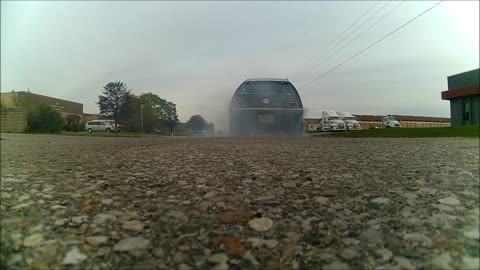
x,y
224,203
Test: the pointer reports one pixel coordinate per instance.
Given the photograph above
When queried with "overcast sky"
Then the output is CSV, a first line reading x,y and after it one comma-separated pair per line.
x,y
195,54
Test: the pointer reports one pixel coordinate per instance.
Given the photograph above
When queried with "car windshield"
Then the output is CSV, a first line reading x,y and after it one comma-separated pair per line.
x,y
335,118
391,118
268,87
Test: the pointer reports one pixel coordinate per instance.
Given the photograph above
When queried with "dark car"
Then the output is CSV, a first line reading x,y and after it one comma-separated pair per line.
x,y
266,106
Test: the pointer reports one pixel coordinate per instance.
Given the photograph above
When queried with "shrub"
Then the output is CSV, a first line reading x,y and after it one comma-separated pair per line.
x,y
72,123
43,118
81,126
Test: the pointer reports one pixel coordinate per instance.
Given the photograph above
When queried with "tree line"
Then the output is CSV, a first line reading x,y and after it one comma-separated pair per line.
x,y
153,112
118,103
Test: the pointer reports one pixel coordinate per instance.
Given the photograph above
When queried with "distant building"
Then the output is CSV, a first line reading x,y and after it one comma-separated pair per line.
x,y
311,124
90,117
65,107
464,95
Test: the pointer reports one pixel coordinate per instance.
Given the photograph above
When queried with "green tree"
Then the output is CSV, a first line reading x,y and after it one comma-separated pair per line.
x,y
72,122
127,110
113,97
197,123
43,118
158,113
172,117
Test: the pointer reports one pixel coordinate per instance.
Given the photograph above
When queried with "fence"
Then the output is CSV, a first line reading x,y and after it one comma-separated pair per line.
x,y
412,124
405,124
13,120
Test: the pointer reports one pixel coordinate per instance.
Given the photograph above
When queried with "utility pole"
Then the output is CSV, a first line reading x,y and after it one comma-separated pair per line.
x,y
141,113
173,125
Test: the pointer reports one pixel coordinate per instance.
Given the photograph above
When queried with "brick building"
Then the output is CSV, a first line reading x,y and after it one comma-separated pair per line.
x,y
65,107
464,96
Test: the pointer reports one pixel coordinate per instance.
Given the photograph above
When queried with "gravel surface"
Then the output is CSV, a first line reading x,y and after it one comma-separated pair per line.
x,y
263,203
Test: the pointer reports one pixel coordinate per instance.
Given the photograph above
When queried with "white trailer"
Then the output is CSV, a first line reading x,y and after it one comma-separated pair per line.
x,y
331,121
351,123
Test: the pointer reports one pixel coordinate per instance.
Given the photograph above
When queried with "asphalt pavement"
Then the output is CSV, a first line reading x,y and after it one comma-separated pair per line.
x,y
230,203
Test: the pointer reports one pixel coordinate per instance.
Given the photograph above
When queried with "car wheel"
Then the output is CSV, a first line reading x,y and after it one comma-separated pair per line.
x,y
89,130
108,130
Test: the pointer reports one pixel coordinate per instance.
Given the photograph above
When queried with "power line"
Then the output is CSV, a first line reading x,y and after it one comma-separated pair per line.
x,y
344,38
359,35
347,36
335,39
375,43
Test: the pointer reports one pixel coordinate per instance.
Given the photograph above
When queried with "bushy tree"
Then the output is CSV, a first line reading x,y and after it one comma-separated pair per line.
x,y
127,110
72,122
172,117
113,97
197,123
43,118
158,113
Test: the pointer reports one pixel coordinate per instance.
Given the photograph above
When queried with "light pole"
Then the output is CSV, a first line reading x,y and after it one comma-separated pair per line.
x,y
141,114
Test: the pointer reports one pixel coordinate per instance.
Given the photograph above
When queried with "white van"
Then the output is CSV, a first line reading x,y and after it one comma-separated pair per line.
x,y
99,125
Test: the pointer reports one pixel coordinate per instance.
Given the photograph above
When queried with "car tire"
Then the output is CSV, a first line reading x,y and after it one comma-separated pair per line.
x,y
108,130
89,130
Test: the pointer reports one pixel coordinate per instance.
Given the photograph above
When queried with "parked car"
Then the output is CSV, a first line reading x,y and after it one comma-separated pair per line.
x,y
99,125
266,106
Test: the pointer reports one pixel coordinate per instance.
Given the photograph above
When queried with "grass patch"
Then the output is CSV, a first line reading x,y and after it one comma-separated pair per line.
x,y
108,134
122,134
101,134
464,131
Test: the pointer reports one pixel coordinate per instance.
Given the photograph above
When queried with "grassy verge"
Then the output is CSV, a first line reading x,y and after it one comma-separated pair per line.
x,y
467,131
104,134
122,134
100,134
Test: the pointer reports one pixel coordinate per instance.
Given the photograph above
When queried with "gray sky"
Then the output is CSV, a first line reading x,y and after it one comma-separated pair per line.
x,y
195,54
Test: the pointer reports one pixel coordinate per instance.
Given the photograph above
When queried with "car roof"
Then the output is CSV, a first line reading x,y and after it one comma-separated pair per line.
x,y
266,80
